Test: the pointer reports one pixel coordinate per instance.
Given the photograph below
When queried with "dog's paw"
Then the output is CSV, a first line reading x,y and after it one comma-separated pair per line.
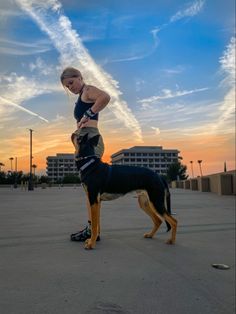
x,y
147,235
89,245
170,241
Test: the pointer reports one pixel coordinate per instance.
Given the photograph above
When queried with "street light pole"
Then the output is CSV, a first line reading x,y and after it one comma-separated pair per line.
x,y
30,185
15,183
11,159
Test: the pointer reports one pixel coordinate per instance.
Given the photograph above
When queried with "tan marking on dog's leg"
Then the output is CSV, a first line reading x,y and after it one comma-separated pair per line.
x,y
173,222
88,208
91,243
145,204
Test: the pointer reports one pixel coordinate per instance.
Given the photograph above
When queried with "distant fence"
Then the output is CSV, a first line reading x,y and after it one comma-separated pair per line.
x,y
42,185
223,183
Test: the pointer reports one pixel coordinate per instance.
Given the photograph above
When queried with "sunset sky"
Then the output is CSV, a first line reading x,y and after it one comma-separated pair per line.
x,y
169,67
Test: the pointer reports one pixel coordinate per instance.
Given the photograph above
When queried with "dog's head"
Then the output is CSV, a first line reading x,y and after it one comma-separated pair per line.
x,y
84,146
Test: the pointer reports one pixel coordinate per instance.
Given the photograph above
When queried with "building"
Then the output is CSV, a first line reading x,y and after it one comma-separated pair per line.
x,y
153,157
59,166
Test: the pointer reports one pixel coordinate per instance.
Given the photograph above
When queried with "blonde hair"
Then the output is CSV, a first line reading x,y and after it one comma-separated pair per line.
x,y
70,72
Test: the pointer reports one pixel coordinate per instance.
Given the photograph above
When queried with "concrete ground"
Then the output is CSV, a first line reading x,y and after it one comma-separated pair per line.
x,y
42,271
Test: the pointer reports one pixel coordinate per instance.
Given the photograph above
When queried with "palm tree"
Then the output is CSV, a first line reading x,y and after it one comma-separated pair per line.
x,y
191,162
11,159
200,161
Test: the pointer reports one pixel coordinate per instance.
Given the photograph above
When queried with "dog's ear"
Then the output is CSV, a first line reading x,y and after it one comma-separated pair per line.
x,y
94,140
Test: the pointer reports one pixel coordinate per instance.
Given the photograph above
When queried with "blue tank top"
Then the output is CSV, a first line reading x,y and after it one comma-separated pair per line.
x,y
81,107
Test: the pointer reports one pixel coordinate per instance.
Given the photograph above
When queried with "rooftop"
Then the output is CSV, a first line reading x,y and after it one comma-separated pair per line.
x,y
148,149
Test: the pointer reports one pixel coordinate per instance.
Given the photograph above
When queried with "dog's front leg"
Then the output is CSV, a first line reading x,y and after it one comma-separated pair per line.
x,y
95,210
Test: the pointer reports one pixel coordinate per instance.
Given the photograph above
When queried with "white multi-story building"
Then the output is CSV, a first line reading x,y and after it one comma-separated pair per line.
x,y
154,157
60,165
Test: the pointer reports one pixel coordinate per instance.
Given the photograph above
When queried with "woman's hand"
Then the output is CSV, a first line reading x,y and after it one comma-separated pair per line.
x,y
83,122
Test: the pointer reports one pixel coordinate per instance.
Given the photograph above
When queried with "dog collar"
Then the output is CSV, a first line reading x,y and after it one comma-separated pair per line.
x,y
86,165
83,158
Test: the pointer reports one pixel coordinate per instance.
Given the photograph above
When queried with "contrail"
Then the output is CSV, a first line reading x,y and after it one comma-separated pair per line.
x,y
9,102
169,94
48,15
191,10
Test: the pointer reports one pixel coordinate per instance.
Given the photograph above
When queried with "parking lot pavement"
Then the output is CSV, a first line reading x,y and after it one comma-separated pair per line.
x,y
42,271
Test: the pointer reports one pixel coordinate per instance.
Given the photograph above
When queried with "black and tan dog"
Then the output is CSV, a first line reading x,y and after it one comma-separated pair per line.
x,y
104,182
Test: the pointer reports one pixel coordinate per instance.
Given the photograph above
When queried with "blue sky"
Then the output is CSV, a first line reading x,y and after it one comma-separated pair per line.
x,y
168,65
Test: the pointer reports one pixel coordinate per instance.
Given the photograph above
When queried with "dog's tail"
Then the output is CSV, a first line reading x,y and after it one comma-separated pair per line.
x,y
167,201
168,207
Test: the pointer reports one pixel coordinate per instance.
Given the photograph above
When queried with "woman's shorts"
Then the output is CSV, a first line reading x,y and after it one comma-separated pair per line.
x,y
91,131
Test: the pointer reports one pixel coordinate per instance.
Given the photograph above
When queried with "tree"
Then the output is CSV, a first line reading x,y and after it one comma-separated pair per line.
x,y
3,178
176,171
71,178
11,177
44,179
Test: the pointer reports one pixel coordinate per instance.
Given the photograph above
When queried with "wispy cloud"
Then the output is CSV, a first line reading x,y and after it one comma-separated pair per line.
x,y
191,9
227,108
173,71
42,68
135,53
167,93
157,130
57,26
19,88
11,103
16,89
227,62
5,13
207,118
11,47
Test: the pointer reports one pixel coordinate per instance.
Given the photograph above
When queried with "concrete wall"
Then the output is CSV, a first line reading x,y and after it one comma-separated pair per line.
x,y
223,183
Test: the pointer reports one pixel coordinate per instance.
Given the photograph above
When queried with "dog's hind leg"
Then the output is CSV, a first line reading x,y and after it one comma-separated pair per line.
x,y
99,216
173,222
167,206
144,203
95,226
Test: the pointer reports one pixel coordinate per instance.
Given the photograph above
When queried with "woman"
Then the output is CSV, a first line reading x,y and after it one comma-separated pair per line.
x,y
90,102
